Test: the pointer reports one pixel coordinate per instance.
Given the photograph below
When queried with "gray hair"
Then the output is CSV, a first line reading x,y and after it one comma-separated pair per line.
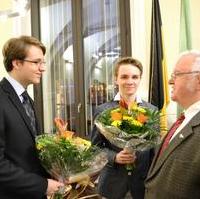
x,y
196,64
196,55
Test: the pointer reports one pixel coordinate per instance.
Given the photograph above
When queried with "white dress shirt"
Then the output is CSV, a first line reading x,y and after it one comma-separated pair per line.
x,y
189,114
137,98
19,89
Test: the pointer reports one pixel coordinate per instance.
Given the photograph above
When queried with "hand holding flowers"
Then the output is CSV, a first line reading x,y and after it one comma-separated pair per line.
x,y
125,157
69,159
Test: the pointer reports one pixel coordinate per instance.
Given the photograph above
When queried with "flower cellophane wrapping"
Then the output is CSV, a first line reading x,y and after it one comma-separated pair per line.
x,y
70,159
137,126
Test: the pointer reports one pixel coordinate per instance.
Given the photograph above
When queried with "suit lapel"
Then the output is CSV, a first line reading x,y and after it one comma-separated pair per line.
x,y
157,163
17,103
155,158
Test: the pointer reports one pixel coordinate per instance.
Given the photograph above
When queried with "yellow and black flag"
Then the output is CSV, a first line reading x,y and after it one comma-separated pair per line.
x,y
158,86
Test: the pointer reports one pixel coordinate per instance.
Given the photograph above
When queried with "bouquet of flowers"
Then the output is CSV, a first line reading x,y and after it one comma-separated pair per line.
x,y
132,126
69,159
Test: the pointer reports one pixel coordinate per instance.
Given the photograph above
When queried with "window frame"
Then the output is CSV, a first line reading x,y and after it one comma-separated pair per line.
x,y
125,38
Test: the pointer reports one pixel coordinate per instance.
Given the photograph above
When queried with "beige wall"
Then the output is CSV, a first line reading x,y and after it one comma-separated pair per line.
x,y
195,15
6,30
12,27
141,24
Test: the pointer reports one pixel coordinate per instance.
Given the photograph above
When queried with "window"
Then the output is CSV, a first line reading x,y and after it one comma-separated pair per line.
x,y
83,39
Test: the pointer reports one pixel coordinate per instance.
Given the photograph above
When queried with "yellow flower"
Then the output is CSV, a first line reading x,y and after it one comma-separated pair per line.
x,y
131,118
81,142
126,117
116,123
115,110
141,110
39,146
133,106
136,123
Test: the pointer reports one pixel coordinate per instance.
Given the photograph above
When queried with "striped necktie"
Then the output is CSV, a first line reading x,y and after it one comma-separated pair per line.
x,y
29,110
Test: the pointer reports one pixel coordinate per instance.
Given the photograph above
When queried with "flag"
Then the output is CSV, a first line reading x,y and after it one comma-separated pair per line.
x,y
158,85
185,42
185,27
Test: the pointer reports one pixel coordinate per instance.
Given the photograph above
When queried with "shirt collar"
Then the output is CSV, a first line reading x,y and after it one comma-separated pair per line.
x,y
138,98
192,110
19,89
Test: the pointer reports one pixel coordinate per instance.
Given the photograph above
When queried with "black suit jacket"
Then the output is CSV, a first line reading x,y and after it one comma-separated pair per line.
x,y
114,181
21,174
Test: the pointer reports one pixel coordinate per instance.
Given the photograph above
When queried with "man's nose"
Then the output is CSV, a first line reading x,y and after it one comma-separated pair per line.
x,y
130,81
171,81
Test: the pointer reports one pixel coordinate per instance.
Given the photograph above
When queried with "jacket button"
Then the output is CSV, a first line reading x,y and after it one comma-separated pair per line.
x,y
129,173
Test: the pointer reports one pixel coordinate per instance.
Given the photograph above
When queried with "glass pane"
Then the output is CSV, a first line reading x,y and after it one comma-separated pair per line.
x,y
58,80
101,49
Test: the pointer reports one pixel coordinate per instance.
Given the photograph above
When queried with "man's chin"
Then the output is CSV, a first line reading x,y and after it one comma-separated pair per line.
x,y
130,93
36,81
173,98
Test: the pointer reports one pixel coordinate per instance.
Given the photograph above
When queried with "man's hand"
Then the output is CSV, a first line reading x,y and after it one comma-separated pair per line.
x,y
125,157
53,186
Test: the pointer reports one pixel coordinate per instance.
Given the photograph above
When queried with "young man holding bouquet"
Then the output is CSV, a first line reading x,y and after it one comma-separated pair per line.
x,y
21,174
115,179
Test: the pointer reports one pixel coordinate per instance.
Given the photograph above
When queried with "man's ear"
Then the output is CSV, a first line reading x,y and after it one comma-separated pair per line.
x,y
198,81
16,64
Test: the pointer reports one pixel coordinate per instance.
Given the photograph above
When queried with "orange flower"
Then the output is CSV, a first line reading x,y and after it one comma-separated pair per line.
x,y
116,116
123,104
142,118
60,124
67,134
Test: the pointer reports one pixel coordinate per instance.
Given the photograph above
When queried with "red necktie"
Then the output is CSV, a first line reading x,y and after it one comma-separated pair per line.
x,y
171,133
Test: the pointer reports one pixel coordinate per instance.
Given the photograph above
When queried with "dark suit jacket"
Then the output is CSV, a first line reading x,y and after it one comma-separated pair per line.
x,y
176,173
21,175
114,181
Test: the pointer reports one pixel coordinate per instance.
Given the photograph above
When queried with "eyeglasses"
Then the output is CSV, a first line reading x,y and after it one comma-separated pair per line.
x,y
178,74
37,62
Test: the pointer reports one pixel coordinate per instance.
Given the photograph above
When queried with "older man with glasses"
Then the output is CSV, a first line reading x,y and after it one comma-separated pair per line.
x,y
175,170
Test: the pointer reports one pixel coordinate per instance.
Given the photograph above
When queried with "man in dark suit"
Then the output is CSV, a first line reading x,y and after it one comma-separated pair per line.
x,y
115,180
21,174
175,170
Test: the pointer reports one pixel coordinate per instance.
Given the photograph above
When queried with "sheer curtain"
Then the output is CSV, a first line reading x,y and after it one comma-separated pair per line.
x,y
58,81
101,49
